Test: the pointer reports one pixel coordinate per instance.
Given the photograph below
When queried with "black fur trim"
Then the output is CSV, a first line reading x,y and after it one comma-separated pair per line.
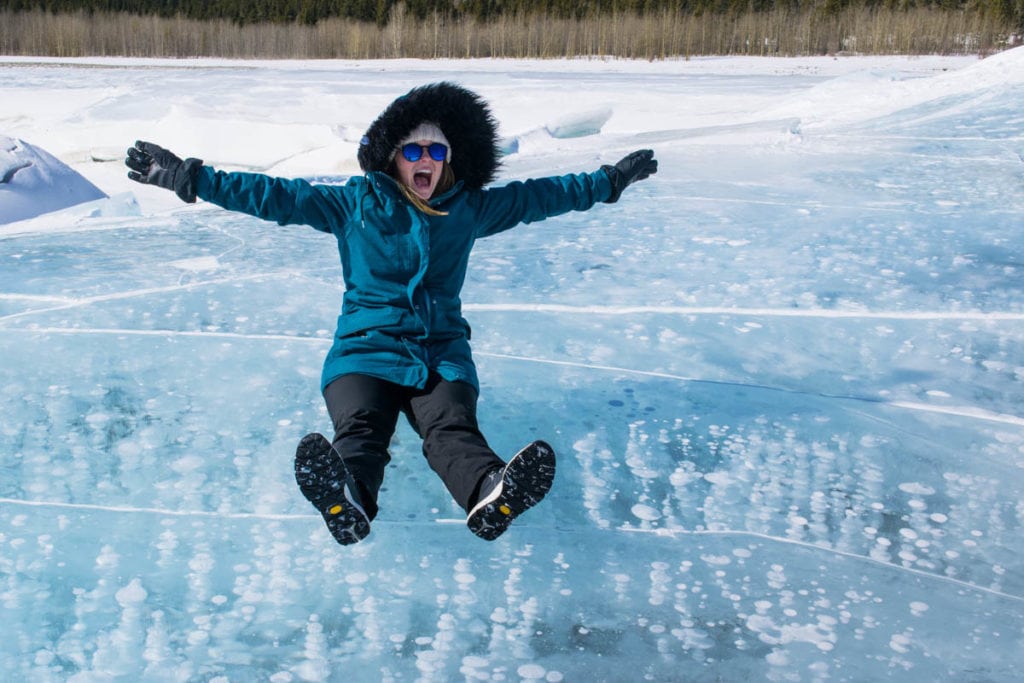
x,y
463,117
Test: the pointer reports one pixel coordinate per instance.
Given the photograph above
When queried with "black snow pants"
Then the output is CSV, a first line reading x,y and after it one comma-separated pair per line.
x,y
364,411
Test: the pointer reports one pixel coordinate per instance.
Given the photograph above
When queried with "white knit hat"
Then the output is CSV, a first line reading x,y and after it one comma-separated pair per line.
x,y
426,131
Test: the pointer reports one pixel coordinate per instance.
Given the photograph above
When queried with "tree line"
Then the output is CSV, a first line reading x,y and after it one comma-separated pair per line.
x,y
310,12
384,29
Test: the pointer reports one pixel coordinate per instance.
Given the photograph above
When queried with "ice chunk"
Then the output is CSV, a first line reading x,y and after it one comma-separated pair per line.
x,y
579,125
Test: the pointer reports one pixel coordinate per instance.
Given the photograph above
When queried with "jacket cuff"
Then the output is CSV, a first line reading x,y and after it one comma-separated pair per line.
x,y
185,179
615,183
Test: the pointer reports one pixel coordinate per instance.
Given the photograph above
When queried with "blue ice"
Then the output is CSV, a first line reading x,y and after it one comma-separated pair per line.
x,y
783,377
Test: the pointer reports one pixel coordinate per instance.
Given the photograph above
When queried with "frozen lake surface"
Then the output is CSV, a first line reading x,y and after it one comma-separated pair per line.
x,y
783,377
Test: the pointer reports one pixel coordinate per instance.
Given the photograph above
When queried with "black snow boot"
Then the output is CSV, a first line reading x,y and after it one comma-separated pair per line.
x,y
510,491
326,483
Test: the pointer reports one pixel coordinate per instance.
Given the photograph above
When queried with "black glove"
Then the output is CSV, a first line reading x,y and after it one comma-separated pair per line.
x,y
633,167
153,165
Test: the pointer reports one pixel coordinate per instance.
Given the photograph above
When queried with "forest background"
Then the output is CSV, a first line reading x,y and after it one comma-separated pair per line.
x,y
636,29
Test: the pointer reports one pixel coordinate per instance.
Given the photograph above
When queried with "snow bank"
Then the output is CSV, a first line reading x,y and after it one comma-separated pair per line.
x,y
34,182
864,95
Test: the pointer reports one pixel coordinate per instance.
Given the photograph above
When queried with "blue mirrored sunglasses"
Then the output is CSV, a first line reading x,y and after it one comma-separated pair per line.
x,y
413,152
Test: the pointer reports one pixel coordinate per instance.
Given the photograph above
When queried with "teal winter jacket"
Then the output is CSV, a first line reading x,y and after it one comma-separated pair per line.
x,y
401,315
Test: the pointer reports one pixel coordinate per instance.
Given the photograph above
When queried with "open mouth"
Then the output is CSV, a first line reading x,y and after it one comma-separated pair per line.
x,y
421,179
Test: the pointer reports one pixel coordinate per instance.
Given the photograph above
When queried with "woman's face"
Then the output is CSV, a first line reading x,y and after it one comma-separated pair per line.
x,y
422,175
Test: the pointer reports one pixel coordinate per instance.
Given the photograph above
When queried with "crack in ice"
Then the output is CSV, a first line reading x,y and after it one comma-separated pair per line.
x,y
969,412
622,529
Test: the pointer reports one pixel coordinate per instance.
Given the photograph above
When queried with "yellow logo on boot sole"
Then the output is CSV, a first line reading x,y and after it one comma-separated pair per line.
x,y
334,510
505,510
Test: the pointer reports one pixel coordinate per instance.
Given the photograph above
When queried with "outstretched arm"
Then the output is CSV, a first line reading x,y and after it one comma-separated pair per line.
x,y
286,201
534,200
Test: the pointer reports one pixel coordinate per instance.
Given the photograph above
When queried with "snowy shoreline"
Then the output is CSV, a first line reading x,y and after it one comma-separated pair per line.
x,y
826,65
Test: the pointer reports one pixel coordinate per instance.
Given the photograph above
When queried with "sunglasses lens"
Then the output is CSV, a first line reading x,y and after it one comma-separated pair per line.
x,y
412,152
438,152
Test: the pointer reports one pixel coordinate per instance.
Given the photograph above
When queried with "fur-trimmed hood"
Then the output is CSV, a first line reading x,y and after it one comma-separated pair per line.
x,y
462,115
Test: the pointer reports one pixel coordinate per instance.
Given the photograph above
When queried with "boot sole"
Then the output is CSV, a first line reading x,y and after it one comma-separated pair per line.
x,y
525,481
326,483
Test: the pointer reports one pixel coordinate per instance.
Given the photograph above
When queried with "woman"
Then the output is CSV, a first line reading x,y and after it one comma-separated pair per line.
x,y
405,230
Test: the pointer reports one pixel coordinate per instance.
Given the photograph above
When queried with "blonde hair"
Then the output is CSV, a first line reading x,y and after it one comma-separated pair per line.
x,y
444,183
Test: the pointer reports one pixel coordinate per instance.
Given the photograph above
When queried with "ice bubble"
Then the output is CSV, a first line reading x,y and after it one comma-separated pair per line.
x,y
356,578
645,512
531,672
198,637
201,563
759,623
718,478
900,642
938,518
187,463
314,671
680,477
642,472
131,594
916,489
107,557
918,608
